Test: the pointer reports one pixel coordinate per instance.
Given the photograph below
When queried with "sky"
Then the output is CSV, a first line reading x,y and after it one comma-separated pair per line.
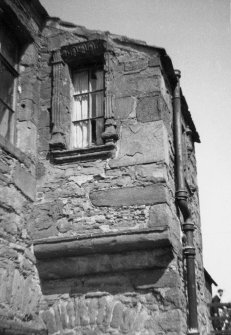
x,y
197,36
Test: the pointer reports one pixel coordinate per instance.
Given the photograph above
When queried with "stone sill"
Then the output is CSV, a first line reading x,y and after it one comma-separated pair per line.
x,y
86,154
89,255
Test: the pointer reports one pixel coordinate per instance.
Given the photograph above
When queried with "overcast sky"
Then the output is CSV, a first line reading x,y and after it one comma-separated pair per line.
x,y
197,36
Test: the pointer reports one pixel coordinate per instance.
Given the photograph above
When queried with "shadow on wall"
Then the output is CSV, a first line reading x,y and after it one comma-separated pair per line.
x,y
117,283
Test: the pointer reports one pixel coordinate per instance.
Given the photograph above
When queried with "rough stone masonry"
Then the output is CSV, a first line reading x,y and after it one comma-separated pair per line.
x,y
91,240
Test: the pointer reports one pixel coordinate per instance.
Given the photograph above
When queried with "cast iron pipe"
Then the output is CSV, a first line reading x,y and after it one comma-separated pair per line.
x,y
181,197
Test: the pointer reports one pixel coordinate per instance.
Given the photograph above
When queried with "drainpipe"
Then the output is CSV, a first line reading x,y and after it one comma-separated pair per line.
x,y
188,225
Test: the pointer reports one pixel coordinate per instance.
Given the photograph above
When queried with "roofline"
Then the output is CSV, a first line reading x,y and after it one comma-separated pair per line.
x,y
209,277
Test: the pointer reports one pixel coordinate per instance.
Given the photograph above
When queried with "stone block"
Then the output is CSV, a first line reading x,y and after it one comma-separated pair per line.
x,y
154,61
135,65
171,321
49,320
12,199
44,119
124,108
72,267
160,215
3,167
117,315
25,182
15,152
129,196
10,223
156,173
26,110
30,56
134,84
148,109
156,278
27,136
142,143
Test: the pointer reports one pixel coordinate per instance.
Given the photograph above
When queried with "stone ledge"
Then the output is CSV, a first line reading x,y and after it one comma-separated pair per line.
x,y
78,266
92,153
72,258
102,243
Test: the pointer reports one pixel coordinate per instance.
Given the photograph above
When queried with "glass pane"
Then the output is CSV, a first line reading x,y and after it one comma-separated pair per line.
x,y
85,134
73,135
80,82
8,45
6,85
84,106
99,130
80,134
76,113
6,122
97,126
80,108
96,80
96,104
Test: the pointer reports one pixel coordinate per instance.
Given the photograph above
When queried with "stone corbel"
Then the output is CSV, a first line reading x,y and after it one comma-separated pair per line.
x,y
57,140
84,255
110,134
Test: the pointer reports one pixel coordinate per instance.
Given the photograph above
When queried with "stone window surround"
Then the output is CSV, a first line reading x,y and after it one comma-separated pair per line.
x,y
9,63
73,56
24,36
10,107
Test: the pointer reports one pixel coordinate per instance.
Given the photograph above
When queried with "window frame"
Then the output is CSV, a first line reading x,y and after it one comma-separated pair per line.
x,y
74,57
13,70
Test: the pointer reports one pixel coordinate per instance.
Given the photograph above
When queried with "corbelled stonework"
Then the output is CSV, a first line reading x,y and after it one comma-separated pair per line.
x,y
91,239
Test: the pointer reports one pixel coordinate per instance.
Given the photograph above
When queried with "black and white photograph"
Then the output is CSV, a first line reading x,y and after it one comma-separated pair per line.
x,y
115,162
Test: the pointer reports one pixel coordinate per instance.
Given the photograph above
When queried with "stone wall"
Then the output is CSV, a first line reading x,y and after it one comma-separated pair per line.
x,y
93,245
19,284
20,290
102,285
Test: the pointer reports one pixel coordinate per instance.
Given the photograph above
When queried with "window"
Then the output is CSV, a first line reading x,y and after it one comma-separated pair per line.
x,y
88,108
8,62
90,127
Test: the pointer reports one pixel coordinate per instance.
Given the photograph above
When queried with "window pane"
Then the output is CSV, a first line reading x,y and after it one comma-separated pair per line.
x,y
76,113
96,104
84,106
85,134
80,134
6,122
96,80
80,108
97,126
80,82
6,85
8,45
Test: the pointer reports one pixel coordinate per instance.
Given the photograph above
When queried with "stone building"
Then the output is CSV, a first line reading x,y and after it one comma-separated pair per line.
x,y
100,223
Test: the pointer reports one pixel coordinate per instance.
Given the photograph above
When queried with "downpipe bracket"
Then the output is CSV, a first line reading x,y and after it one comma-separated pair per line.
x,y
189,226
181,194
193,332
189,251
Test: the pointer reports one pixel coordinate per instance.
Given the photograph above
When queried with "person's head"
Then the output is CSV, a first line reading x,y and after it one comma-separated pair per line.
x,y
220,292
